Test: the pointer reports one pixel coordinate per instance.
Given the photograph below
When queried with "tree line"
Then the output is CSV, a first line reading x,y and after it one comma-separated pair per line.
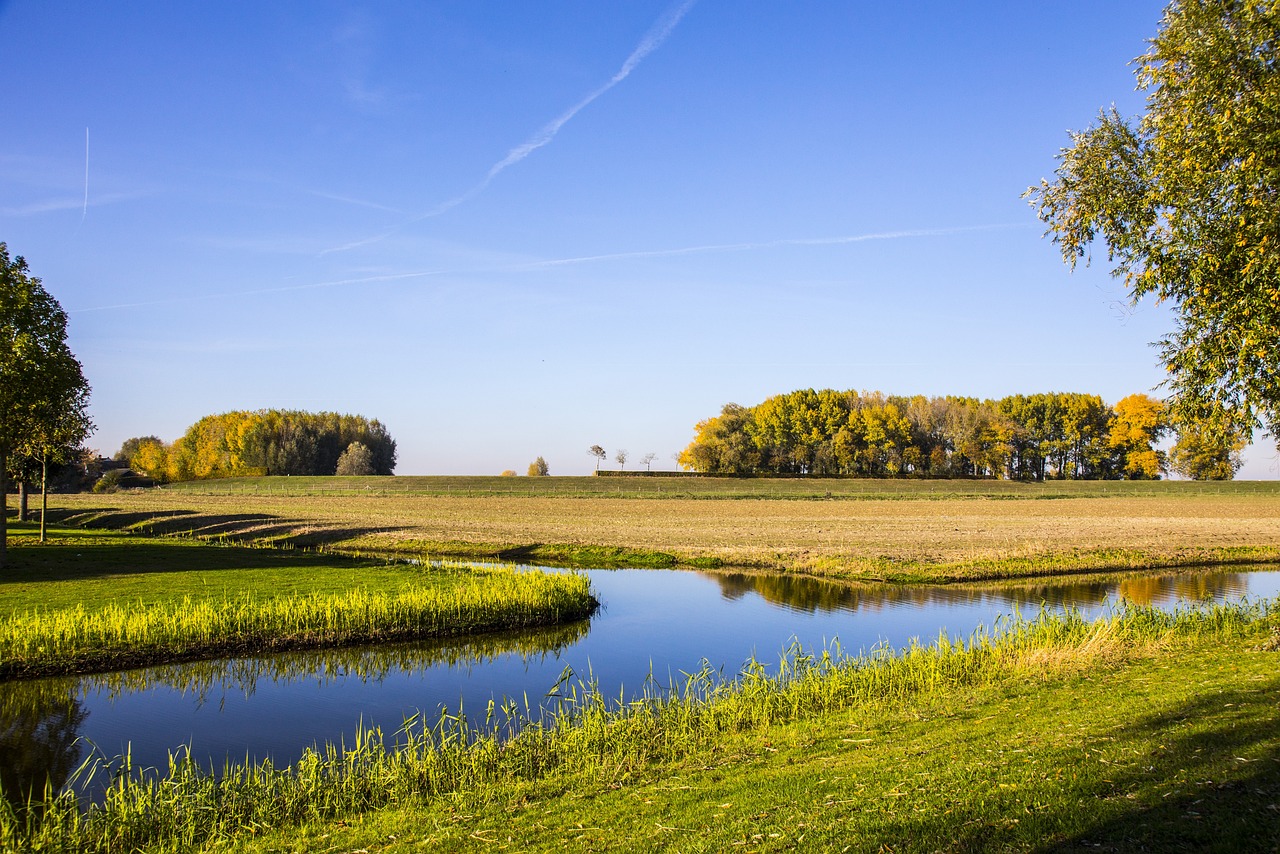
x,y
266,442
1023,437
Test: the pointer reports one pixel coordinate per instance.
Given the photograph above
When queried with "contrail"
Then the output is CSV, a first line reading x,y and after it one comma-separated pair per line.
x,y
652,40
84,212
770,244
586,259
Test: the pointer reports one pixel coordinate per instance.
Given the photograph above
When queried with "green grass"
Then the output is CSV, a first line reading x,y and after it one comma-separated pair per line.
x,y
713,487
88,601
1142,731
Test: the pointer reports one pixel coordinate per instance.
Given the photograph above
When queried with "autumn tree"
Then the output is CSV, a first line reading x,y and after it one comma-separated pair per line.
x,y
621,458
539,468
1186,199
43,393
129,448
723,444
356,461
648,459
264,442
1138,424
1204,452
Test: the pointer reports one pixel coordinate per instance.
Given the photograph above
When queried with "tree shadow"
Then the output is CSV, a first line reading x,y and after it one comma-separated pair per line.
x,y
1228,797
164,544
1208,779
244,528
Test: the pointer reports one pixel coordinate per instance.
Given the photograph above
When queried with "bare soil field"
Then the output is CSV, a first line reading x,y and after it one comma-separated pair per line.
x,y
902,538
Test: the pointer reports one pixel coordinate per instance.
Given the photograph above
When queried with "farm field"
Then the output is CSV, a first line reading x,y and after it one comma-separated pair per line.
x,y
922,531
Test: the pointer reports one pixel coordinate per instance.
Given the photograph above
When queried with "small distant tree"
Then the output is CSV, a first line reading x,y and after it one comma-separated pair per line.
x,y
539,468
648,459
356,460
599,453
621,457
508,472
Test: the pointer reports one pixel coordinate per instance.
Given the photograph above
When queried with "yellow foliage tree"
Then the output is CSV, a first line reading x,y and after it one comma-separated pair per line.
x,y
1138,423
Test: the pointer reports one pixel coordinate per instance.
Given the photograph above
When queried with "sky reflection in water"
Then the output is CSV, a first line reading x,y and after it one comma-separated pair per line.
x,y
653,622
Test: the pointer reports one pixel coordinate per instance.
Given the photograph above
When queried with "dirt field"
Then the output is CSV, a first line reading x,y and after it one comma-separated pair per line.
x,y
858,538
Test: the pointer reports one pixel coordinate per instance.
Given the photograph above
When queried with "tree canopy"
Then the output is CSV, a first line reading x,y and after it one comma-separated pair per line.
x,y
1186,199
44,396
871,434
264,442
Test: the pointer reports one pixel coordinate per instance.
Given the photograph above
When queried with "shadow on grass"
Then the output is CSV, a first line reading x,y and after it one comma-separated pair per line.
x,y
244,528
1224,752
1206,778
78,559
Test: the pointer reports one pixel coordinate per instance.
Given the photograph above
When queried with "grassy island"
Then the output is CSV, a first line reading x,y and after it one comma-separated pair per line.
x,y
92,600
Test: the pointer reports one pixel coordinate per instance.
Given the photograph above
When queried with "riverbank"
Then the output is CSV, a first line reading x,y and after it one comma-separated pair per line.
x,y
1140,732
929,531
89,600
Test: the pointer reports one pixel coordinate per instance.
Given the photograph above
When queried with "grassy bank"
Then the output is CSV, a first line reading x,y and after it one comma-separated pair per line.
x,y
88,601
1143,731
914,536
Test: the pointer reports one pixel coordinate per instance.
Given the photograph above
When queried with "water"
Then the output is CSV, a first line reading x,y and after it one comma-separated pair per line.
x,y
653,623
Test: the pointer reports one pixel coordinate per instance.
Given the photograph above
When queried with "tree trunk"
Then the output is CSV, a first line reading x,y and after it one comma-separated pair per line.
x,y
44,491
22,500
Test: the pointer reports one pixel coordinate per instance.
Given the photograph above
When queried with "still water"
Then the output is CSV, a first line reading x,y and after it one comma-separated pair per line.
x,y
652,623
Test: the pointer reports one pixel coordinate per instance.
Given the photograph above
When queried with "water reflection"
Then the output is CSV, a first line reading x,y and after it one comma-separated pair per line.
x,y
42,721
39,741
655,624
203,680
814,595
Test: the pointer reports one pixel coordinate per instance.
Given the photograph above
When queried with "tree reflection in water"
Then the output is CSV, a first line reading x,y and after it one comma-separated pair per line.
x,y
39,737
813,595
40,720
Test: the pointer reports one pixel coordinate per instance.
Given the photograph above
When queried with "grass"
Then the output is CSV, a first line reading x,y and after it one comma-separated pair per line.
x,y
88,601
925,531
639,486
1141,731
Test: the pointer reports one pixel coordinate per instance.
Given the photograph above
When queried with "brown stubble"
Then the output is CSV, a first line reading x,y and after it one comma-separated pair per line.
x,y
838,536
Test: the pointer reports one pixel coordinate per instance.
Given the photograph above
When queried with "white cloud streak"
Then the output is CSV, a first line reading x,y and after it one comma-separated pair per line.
x,y
652,40
706,248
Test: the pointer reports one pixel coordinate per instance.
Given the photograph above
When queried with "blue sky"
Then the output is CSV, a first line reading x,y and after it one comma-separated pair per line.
x,y
513,229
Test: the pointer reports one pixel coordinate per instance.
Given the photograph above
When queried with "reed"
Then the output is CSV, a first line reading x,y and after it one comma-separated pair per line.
x,y
46,642
183,805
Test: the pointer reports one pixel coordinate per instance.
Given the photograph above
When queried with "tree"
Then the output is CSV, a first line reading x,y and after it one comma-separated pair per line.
x,y
356,460
1203,452
648,459
1138,423
539,468
1187,201
129,448
43,392
621,457
599,453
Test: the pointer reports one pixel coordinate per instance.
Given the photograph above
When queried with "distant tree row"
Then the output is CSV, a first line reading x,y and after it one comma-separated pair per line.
x,y
266,442
1026,437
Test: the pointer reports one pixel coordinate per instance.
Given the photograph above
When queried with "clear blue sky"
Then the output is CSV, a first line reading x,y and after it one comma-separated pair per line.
x,y
517,229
